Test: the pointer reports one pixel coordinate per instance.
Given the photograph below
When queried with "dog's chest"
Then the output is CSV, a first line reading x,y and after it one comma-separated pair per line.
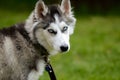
x,y
35,74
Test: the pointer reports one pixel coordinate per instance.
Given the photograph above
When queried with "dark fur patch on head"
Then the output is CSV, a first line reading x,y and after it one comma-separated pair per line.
x,y
54,10
50,16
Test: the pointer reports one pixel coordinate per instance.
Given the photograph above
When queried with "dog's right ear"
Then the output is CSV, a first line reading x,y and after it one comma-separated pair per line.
x,y
66,7
40,9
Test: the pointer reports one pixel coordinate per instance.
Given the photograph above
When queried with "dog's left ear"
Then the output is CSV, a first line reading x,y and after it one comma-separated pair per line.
x,y
40,9
66,7
67,11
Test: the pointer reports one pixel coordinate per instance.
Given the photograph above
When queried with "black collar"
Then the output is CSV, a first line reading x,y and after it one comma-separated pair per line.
x,y
40,48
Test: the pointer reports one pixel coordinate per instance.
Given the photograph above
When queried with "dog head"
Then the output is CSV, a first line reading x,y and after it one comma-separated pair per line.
x,y
53,25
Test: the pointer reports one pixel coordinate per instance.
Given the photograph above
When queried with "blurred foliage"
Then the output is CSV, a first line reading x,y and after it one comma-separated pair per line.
x,y
80,6
97,6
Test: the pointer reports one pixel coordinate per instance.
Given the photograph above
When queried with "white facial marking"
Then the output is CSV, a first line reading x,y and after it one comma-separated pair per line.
x,y
57,19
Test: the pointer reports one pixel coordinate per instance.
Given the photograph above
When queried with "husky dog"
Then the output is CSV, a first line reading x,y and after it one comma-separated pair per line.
x,y
24,47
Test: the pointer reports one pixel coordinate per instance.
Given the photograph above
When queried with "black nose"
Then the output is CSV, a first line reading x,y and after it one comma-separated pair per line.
x,y
64,48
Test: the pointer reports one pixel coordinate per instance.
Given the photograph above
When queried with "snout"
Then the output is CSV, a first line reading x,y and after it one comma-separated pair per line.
x,y
64,48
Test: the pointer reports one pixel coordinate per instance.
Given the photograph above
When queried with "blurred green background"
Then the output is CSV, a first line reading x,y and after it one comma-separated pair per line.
x,y
95,45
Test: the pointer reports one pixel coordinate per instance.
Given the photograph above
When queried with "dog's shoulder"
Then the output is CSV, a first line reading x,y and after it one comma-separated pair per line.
x,y
8,31
11,31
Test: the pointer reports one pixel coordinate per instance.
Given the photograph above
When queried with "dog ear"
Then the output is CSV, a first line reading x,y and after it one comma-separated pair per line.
x,y
66,7
41,9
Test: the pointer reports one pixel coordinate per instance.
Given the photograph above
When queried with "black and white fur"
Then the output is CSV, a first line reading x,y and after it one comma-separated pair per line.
x,y
23,46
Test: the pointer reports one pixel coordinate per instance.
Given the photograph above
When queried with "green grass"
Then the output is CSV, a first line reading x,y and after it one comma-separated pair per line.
x,y
95,48
8,18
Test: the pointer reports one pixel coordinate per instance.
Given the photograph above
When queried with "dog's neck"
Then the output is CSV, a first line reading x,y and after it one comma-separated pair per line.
x,y
36,45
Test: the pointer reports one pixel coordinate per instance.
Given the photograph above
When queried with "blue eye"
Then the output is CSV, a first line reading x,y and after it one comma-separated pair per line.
x,y
65,28
52,31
